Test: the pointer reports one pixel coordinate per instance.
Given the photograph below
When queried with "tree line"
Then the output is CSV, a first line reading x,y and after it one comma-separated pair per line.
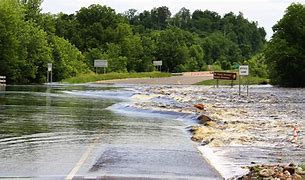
x,y
130,41
184,42
285,53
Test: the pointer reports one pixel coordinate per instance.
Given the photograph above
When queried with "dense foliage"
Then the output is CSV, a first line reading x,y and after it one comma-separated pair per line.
x,y
27,45
285,53
130,41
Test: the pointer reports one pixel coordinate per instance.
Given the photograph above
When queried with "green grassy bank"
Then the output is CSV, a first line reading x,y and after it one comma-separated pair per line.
x,y
92,77
251,80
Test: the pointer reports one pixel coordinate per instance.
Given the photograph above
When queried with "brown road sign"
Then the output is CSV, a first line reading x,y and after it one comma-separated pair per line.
x,y
224,75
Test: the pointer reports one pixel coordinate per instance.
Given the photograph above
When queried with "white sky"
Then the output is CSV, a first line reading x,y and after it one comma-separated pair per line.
x,y
265,12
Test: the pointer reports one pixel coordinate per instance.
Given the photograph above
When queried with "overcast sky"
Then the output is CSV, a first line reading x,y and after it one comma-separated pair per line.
x,y
265,12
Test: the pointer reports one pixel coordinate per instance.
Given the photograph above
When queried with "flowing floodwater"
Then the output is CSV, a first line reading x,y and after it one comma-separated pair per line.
x,y
60,131
254,129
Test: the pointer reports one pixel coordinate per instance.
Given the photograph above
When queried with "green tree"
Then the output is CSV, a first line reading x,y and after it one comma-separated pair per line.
x,y
96,27
149,50
160,17
218,48
182,18
32,9
68,60
36,54
91,55
24,52
196,54
285,53
258,66
117,63
205,22
132,48
173,48
10,20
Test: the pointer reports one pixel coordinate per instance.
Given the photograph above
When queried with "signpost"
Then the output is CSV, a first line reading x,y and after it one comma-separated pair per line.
x,y
244,71
224,76
2,82
100,63
158,64
49,73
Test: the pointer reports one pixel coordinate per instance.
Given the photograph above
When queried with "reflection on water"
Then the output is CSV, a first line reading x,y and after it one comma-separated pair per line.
x,y
40,110
39,124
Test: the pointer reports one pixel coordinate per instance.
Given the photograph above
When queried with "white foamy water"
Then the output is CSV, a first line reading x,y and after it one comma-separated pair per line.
x,y
253,129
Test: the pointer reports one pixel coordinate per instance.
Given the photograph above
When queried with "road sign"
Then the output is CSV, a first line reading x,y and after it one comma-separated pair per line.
x,y
157,63
224,75
244,70
49,66
100,63
2,80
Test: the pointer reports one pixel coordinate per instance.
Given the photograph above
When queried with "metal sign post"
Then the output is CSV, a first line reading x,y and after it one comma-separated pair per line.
x,y
100,63
244,71
49,73
158,64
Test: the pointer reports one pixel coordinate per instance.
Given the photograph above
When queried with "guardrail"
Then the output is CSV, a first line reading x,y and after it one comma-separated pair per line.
x,y
2,80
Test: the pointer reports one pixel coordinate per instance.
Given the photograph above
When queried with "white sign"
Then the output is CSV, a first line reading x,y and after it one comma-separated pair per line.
x,y
100,63
157,63
244,70
49,66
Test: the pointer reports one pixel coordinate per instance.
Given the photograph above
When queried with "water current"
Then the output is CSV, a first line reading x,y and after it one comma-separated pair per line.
x,y
255,129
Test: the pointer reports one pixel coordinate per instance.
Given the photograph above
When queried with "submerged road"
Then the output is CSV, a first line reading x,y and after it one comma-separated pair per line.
x,y
47,133
163,152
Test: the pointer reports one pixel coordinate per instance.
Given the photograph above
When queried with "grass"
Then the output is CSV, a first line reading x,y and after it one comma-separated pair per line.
x,y
92,77
251,80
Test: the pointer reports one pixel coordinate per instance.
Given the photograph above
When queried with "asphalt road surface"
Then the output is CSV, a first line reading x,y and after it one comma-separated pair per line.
x,y
174,80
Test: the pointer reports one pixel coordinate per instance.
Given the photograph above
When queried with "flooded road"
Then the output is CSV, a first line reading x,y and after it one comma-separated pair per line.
x,y
50,133
266,127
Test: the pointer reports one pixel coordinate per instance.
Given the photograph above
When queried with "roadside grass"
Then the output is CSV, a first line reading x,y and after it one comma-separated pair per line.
x,y
251,80
92,77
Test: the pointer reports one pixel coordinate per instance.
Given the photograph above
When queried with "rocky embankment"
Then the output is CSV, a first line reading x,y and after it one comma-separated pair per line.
x,y
280,172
